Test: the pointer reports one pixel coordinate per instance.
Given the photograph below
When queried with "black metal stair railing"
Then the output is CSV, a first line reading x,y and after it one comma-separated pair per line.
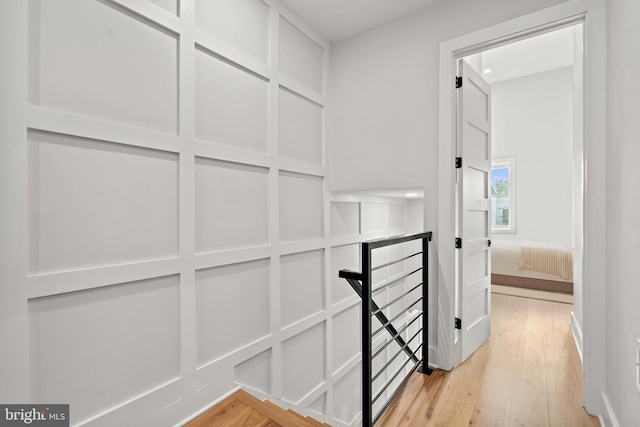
x,y
418,354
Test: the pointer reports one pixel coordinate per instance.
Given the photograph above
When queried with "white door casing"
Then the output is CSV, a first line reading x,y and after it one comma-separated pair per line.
x,y
593,14
474,257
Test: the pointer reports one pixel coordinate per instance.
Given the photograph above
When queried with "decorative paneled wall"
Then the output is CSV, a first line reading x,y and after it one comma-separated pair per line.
x,y
169,236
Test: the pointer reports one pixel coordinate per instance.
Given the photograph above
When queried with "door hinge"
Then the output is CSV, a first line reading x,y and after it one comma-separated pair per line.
x,y
458,162
458,82
458,243
458,323
489,242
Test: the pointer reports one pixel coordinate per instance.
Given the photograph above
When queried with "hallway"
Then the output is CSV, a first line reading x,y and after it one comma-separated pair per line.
x,y
527,374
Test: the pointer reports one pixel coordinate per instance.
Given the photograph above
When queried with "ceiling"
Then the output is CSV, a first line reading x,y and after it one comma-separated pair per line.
x,y
335,20
534,55
338,19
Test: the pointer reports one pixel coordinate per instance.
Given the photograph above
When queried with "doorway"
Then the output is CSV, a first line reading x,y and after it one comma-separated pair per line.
x,y
593,272
535,110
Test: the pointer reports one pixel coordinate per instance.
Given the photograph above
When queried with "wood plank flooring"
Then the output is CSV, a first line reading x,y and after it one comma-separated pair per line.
x,y
528,374
243,410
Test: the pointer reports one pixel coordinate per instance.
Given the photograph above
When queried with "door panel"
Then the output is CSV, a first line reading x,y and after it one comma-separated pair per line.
x,y
474,258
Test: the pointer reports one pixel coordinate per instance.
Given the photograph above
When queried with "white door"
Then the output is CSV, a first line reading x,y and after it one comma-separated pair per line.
x,y
474,256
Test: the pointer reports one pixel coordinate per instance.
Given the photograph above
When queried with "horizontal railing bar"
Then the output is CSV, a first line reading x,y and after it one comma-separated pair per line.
x,y
393,282
397,299
394,376
396,317
375,377
388,241
395,262
357,286
348,274
395,336
396,392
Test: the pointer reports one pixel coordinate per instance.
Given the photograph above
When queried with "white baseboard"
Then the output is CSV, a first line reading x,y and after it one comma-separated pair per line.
x,y
608,417
577,334
433,355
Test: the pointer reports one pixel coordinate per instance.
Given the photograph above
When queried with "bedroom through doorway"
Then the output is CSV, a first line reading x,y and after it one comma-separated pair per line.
x,y
536,180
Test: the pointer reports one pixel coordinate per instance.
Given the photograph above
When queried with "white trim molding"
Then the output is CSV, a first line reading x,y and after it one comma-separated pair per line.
x,y
577,333
607,417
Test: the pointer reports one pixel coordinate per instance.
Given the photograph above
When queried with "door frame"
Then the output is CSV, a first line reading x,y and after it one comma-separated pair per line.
x,y
592,13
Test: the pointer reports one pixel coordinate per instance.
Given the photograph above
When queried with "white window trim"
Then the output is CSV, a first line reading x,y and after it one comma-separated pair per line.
x,y
507,162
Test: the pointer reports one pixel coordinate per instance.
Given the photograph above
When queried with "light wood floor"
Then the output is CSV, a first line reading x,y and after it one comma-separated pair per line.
x,y
243,410
527,374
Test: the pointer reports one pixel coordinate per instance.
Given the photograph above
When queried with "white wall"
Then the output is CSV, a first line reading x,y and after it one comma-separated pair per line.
x,y
623,210
384,90
532,122
166,223
384,94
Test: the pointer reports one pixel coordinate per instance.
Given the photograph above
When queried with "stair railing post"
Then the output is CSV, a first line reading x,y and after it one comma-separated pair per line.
x,y
425,307
367,407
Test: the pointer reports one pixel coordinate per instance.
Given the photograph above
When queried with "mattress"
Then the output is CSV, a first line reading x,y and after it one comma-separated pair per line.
x,y
535,265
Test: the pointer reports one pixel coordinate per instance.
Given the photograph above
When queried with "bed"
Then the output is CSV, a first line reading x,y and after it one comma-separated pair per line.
x,y
534,265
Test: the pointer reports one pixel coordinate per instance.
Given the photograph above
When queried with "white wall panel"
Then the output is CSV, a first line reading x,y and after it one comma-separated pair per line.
x,y
243,24
395,366
397,217
374,217
255,372
395,253
345,219
343,258
319,406
232,308
415,216
98,348
301,285
170,6
396,291
230,104
170,159
347,396
90,205
376,366
413,248
301,207
303,362
91,59
346,336
300,57
299,128
231,205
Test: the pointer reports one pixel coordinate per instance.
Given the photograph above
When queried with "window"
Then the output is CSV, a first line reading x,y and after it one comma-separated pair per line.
x,y
503,218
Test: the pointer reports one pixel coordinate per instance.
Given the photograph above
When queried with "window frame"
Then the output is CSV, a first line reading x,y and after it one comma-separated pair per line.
x,y
501,163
